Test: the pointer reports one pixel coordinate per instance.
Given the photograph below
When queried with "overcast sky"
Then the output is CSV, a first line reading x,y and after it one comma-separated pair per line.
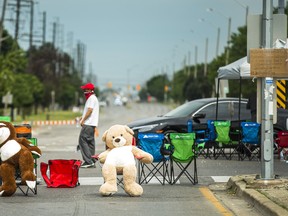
x,y
129,41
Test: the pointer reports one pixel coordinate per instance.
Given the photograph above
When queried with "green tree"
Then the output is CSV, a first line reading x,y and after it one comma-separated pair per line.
x,y
156,86
143,93
42,64
67,95
26,91
178,83
187,87
237,50
6,75
55,70
10,64
8,43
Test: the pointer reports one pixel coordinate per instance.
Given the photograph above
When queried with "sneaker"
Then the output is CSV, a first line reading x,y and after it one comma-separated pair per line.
x,y
86,165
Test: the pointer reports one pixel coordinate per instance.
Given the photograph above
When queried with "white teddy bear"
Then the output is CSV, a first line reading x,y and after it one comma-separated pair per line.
x,y
120,158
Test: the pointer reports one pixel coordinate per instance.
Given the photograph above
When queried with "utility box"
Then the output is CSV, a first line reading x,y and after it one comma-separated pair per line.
x,y
254,30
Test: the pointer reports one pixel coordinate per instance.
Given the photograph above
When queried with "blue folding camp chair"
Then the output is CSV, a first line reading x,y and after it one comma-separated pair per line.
x,y
250,141
205,140
159,168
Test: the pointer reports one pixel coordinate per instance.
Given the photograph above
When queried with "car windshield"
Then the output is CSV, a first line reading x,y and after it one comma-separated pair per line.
x,y
185,109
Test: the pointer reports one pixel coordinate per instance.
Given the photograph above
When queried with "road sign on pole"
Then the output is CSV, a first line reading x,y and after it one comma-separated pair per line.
x,y
7,99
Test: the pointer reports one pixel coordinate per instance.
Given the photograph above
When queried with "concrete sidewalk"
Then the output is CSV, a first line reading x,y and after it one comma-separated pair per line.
x,y
269,197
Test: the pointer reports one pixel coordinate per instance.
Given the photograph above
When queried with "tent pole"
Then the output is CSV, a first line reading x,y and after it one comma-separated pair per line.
x,y
239,115
217,95
240,90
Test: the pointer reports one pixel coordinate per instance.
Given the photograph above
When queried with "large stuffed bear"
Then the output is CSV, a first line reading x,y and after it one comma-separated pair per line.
x,y
15,153
120,158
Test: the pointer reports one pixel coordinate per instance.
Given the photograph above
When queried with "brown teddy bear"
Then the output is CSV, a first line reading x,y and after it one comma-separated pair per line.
x,y
120,158
15,153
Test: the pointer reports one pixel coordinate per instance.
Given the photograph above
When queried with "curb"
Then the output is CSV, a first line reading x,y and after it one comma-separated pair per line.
x,y
263,204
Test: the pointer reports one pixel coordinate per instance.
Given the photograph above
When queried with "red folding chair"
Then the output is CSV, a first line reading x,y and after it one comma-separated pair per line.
x,y
282,142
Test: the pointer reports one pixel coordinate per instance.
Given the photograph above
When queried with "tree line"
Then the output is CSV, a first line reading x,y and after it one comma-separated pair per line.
x,y
186,85
38,78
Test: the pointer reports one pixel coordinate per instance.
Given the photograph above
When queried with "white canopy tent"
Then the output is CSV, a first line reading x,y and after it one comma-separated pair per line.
x,y
235,70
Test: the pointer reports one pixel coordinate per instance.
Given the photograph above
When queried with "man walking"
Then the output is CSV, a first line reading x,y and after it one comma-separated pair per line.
x,y
88,122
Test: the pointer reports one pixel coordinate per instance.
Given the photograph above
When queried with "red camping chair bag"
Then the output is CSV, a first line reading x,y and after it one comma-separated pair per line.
x,y
62,173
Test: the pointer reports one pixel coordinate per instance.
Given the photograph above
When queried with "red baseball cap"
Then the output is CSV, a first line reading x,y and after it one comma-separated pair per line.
x,y
88,86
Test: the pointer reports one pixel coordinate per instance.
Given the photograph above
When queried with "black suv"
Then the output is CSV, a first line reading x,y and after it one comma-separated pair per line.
x,y
200,111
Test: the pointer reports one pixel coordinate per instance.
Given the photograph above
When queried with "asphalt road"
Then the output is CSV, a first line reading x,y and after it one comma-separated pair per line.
x,y
59,142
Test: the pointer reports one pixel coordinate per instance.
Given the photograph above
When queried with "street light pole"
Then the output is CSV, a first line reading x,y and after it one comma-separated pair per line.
x,y
246,8
196,59
218,35
267,90
229,32
218,41
228,41
206,58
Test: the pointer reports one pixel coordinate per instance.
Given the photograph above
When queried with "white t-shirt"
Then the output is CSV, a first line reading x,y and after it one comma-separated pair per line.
x,y
93,103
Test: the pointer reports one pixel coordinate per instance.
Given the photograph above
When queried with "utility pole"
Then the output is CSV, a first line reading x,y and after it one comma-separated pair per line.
x,y
281,7
80,58
54,34
44,28
189,63
70,51
31,23
196,62
246,8
206,57
228,41
267,89
218,41
2,21
18,5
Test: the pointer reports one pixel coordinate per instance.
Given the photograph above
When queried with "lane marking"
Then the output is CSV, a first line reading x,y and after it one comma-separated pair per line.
x,y
91,180
100,181
220,178
210,196
154,180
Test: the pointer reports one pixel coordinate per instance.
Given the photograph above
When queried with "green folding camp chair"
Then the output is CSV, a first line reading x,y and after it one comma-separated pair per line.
x,y
184,153
222,129
5,118
225,146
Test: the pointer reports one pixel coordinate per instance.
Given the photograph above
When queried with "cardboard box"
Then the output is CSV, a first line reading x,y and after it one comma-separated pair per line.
x,y
269,63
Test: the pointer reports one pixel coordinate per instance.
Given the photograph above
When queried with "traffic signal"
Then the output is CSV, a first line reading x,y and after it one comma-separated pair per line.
x,y
138,87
